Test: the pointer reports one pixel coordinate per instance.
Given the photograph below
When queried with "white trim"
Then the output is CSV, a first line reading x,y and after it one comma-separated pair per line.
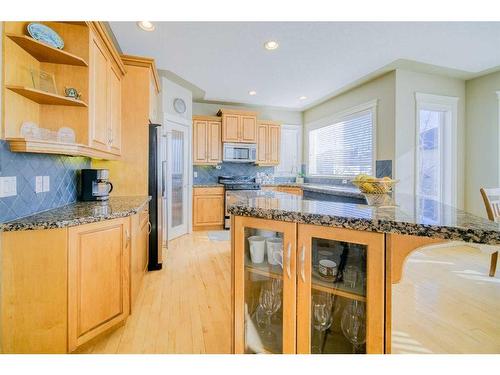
x,y
498,145
448,104
177,119
299,129
170,126
337,117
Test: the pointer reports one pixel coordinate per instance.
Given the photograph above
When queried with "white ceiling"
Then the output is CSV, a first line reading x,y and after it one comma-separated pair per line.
x,y
227,60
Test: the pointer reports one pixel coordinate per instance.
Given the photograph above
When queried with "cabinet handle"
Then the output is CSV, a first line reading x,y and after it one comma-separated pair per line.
x,y
303,264
150,227
288,259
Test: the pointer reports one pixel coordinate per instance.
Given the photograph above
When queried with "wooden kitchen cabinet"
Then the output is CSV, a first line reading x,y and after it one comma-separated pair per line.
x,y
98,278
139,253
355,302
238,126
308,313
90,64
115,110
268,143
105,99
208,208
59,288
207,144
290,190
268,328
99,133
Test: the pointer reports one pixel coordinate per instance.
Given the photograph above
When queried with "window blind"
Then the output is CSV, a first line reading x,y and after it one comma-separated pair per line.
x,y
344,148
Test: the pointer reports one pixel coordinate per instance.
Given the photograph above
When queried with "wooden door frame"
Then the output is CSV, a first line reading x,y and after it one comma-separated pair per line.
x,y
289,230
375,304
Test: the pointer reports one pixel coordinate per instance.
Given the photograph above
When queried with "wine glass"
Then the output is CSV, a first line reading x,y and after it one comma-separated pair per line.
x,y
270,301
322,318
351,276
353,324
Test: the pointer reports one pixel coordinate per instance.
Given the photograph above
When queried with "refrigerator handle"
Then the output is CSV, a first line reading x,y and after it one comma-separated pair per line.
x,y
164,179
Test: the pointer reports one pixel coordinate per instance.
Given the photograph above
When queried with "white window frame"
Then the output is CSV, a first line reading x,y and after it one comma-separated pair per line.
x,y
498,146
449,105
338,117
281,173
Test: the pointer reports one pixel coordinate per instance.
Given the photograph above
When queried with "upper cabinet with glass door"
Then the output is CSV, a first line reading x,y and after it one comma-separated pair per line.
x,y
340,297
264,286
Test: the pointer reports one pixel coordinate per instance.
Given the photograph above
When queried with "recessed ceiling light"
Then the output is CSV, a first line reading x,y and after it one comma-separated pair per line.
x,y
302,97
146,25
252,92
271,45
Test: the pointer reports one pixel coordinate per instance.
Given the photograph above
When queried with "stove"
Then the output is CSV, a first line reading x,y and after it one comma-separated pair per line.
x,y
233,183
239,183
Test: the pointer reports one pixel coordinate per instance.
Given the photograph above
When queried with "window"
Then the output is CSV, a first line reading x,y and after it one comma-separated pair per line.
x,y
291,151
435,159
345,146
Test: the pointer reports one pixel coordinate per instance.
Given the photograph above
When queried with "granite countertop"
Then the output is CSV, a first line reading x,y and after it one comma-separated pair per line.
x,y
208,185
341,190
79,213
406,215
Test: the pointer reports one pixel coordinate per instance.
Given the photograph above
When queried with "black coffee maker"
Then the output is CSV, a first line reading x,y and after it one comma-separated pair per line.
x,y
94,185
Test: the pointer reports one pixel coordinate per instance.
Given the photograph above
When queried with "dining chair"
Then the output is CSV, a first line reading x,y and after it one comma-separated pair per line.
x,y
491,198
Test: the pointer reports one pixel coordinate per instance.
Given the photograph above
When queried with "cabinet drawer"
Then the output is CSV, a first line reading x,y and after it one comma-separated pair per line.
x,y
208,210
290,190
216,190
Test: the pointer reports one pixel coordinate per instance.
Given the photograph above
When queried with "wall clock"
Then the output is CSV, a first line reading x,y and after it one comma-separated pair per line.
x,y
179,105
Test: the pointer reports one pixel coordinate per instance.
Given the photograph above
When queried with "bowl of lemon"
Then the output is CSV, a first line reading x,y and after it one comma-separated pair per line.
x,y
372,185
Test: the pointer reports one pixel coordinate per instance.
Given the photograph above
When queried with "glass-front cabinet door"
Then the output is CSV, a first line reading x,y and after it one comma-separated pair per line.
x,y
340,296
264,285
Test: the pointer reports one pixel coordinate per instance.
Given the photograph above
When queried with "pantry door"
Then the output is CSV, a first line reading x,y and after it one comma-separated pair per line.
x,y
264,286
340,295
177,179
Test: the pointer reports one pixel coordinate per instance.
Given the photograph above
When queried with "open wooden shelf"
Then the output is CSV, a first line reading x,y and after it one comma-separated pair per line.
x,y
42,97
39,146
264,269
337,289
45,53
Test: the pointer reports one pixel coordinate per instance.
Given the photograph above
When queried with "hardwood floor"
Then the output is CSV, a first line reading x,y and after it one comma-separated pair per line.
x,y
445,303
184,308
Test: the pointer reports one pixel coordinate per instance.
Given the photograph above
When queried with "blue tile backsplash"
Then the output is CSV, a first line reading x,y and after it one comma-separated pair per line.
x,y
63,181
209,174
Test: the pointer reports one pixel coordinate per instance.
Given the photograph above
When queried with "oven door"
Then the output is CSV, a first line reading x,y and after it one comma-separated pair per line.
x,y
227,215
239,152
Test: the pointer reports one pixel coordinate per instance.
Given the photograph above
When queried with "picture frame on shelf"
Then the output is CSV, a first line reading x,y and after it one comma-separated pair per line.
x,y
43,81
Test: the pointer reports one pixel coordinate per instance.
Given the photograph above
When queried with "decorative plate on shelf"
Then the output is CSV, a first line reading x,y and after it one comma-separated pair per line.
x,y
179,105
45,35
66,135
30,130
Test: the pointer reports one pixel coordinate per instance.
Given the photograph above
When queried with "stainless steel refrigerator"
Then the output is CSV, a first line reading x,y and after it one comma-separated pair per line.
x,y
158,192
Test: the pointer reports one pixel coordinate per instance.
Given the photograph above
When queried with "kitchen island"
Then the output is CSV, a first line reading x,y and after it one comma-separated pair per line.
x,y
292,300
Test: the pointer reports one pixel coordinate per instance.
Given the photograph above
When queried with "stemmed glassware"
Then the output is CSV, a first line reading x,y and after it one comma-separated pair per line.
x,y
322,318
270,301
353,324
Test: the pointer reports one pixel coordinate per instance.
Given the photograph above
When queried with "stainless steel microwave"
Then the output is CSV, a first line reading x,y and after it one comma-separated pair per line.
x,y
240,152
